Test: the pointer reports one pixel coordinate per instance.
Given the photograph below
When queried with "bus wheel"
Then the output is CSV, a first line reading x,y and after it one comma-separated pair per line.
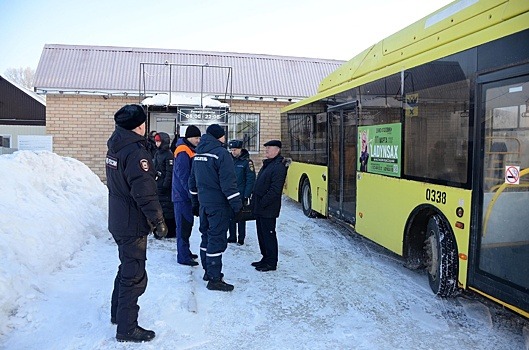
x,y
441,258
306,199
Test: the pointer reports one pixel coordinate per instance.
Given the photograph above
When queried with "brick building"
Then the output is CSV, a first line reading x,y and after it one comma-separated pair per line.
x,y
86,85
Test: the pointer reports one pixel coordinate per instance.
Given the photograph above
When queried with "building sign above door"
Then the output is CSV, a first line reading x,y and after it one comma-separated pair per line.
x,y
191,115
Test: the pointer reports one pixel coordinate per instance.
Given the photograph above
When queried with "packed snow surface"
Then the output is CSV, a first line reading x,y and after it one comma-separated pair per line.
x,y
332,289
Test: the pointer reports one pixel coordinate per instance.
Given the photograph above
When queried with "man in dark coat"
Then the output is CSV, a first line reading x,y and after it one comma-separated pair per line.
x,y
163,167
245,172
133,208
183,208
266,203
212,184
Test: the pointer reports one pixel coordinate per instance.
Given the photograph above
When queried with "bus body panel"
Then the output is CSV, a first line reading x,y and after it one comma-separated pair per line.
x,y
384,220
317,175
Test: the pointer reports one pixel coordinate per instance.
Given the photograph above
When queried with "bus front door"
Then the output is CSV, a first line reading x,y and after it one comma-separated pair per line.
x,y
500,265
342,163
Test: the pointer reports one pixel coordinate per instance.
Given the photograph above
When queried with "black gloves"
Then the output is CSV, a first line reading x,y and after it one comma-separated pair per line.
x,y
236,204
238,216
161,229
195,210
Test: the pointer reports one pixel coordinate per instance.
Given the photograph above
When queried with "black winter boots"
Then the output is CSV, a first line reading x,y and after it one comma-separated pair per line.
x,y
219,285
138,335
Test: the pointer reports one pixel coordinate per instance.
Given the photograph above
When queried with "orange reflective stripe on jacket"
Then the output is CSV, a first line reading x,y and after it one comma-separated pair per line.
x,y
184,148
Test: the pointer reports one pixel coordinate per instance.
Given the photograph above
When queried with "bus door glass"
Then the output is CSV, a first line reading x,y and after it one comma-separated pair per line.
x,y
503,244
342,163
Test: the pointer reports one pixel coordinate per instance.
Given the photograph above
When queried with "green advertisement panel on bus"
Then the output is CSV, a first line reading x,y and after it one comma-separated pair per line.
x,y
380,149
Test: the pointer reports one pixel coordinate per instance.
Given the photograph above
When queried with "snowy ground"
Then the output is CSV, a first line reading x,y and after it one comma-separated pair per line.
x,y
332,290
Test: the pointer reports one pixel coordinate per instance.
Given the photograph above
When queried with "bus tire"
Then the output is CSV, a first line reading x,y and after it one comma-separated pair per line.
x,y
306,199
441,258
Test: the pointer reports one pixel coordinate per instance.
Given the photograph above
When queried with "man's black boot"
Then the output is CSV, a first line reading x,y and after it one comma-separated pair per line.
x,y
138,335
257,263
265,268
219,285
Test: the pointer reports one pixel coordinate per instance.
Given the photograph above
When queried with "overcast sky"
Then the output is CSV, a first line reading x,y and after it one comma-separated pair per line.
x,y
335,29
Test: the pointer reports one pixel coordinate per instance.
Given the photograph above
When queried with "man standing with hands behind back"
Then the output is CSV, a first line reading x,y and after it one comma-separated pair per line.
x,y
266,203
132,208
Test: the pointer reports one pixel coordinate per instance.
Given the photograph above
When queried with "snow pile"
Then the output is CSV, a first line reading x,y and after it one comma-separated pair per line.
x,y
182,100
51,207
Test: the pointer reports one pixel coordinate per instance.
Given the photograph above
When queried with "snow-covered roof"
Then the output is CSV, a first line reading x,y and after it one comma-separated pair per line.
x,y
176,99
32,94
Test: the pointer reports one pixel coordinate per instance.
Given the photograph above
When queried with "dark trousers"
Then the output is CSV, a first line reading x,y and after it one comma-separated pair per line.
x,y
214,222
266,235
130,282
183,213
171,227
241,227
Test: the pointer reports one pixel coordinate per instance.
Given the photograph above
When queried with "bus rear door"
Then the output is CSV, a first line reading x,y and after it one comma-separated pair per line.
x,y
342,161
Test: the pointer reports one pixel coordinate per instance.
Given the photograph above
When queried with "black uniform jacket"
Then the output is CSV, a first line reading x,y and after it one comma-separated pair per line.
x,y
132,197
268,188
245,172
163,166
213,175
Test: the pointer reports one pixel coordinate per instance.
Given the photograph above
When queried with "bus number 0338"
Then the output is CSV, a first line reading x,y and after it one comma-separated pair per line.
x,y
436,196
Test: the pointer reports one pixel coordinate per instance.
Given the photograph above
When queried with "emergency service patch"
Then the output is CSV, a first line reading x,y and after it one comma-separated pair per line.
x,y
111,162
250,165
144,163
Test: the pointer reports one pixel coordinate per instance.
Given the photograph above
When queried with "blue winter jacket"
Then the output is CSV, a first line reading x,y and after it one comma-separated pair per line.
x,y
184,153
213,176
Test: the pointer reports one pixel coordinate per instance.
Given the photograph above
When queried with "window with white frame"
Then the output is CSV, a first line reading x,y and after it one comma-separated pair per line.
x,y
245,127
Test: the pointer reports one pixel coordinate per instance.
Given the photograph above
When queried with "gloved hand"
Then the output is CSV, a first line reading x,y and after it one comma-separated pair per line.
x,y
195,210
236,204
237,217
161,229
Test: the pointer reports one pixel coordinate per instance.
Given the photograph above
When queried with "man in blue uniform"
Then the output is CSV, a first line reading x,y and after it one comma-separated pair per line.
x,y
133,208
266,203
183,209
212,184
245,172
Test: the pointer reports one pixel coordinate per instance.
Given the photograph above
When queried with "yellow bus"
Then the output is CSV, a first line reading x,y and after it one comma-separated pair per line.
x,y
421,144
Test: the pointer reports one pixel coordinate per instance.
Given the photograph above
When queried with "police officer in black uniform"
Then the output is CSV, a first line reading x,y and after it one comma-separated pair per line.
x,y
133,208
163,167
212,183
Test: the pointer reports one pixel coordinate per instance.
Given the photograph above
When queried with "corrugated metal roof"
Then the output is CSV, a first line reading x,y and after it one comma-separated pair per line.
x,y
103,68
